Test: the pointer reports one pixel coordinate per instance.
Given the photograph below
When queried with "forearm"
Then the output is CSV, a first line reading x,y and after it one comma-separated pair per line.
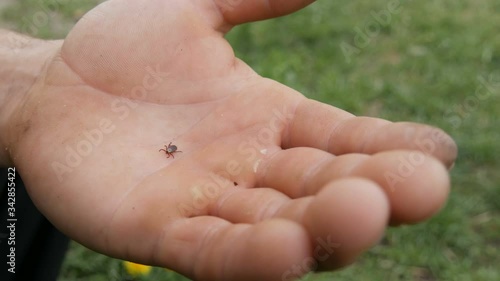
x,y
21,61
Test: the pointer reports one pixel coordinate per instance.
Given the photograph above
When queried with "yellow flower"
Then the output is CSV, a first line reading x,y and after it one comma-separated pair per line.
x,y
135,269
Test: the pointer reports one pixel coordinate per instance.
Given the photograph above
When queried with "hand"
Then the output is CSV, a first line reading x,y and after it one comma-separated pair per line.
x,y
267,179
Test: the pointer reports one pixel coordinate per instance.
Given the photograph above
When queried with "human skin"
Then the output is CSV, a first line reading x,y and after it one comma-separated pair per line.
x,y
265,176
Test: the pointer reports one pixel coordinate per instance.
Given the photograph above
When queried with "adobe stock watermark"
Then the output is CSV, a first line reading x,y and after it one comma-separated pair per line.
x,y
488,87
228,5
408,164
31,25
370,29
406,168
205,192
17,41
93,138
324,250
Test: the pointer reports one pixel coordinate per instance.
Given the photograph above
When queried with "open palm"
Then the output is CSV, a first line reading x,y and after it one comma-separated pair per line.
x,y
268,185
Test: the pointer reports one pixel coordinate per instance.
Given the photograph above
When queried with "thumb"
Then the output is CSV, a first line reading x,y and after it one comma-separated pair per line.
x,y
242,11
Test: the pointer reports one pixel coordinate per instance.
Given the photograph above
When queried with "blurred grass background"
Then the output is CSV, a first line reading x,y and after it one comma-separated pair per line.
x,y
424,64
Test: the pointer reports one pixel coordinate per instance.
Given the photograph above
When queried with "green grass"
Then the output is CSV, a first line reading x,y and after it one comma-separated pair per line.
x,y
422,66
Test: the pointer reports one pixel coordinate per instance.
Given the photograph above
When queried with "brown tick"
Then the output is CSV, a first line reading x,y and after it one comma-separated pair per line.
x,y
170,150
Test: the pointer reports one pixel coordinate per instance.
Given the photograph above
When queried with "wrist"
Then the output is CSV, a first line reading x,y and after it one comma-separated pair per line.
x,y
22,60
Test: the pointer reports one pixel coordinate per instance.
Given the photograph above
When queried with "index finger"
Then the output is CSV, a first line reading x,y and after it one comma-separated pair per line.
x,y
322,126
241,11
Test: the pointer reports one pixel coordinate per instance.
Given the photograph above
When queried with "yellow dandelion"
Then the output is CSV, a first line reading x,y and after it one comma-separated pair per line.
x,y
135,269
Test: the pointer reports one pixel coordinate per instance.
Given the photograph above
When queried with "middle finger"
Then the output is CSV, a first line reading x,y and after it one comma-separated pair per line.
x,y
415,183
